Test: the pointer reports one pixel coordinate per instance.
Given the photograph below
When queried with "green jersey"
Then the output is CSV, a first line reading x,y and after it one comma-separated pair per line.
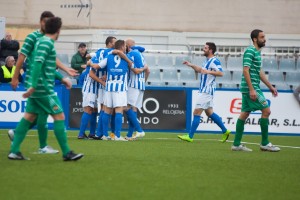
x,y
27,50
42,76
251,59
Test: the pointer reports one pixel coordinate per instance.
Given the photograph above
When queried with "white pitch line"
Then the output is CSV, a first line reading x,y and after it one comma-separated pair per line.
x,y
284,146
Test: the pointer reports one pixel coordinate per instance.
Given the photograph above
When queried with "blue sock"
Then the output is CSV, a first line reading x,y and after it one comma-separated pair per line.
x,y
132,117
130,129
195,124
100,127
84,123
112,123
217,119
118,124
93,122
105,122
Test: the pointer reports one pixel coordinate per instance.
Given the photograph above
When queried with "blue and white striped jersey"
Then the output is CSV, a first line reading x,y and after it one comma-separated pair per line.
x,y
136,80
207,81
117,73
90,85
99,55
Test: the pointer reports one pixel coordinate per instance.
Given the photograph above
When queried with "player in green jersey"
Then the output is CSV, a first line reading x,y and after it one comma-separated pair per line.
x,y
252,96
41,83
26,53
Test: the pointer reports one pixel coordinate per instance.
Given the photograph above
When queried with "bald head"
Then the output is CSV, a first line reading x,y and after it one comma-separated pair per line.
x,y
130,42
8,36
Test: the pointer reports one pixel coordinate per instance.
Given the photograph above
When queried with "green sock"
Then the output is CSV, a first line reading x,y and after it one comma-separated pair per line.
x,y
61,136
264,126
42,128
239,132
20,133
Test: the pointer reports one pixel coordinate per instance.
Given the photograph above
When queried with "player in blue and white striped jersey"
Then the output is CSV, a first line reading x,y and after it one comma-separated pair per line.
x,y
210,69
136,88
116,88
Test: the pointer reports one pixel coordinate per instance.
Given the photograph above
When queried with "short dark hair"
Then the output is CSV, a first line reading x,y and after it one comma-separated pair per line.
x,y
53,25
119,44
109,39
82,44
46,14
255,33
211,46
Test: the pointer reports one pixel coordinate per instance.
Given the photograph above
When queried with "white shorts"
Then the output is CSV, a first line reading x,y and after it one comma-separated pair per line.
x,y
101,96
115,99
135,97
89,99
204,101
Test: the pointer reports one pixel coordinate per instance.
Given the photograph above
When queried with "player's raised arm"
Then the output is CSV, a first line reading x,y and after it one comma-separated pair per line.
x,y
93,75
197,69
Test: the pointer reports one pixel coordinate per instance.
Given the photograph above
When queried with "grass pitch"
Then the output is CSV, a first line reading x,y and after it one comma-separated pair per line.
x,y
159,166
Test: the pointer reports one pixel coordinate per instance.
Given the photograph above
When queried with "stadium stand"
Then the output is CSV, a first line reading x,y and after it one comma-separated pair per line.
x,y
269,63
287,64
234,63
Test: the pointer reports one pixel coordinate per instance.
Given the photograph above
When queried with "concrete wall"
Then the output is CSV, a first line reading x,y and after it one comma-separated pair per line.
x,y
231,16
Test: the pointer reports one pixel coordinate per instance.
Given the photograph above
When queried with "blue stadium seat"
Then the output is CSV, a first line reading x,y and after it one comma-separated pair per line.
x,y
287,64
155,75
237,77
198,60
235,63
170,75
187,74
269,64
226,78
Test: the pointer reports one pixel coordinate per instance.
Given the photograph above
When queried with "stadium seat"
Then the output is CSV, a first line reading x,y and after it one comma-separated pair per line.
x,y
269,63
64,58
237,77
165,61
292,78
170,75
155,75
223,62
198,60
287,64
226,78
179,60
298,64
235,63
150,60
187,75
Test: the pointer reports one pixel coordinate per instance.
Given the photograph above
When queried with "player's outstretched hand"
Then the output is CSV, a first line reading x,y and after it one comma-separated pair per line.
x,y
186,63
29,92
67,82
72,72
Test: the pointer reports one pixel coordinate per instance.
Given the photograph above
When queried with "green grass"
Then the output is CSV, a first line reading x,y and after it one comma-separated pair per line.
x,y
160,166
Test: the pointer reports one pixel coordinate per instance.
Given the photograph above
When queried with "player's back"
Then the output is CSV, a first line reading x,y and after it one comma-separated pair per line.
x,y
117,69
137,80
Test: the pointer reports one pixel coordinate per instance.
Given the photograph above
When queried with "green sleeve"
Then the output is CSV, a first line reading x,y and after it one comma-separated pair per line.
x,y
58,76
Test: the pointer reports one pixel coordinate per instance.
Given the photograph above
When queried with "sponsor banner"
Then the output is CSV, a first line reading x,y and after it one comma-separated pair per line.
x,y
76,109
162,109
284,116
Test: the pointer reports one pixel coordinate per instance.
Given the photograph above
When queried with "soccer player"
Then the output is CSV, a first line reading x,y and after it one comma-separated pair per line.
x,y
116,88
252,97
207,74
41,93
136,88
26,53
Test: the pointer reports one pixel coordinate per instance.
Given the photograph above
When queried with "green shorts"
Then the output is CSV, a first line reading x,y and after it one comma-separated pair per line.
x,y
248,105
50,105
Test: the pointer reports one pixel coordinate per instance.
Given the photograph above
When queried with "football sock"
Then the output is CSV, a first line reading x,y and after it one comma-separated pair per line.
x,y
20,133
130,129
84,123
61,136
100,126
239,132
264,125
118,124
93,122
132,117
105,121
218,120
112,123
42,128
195,124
